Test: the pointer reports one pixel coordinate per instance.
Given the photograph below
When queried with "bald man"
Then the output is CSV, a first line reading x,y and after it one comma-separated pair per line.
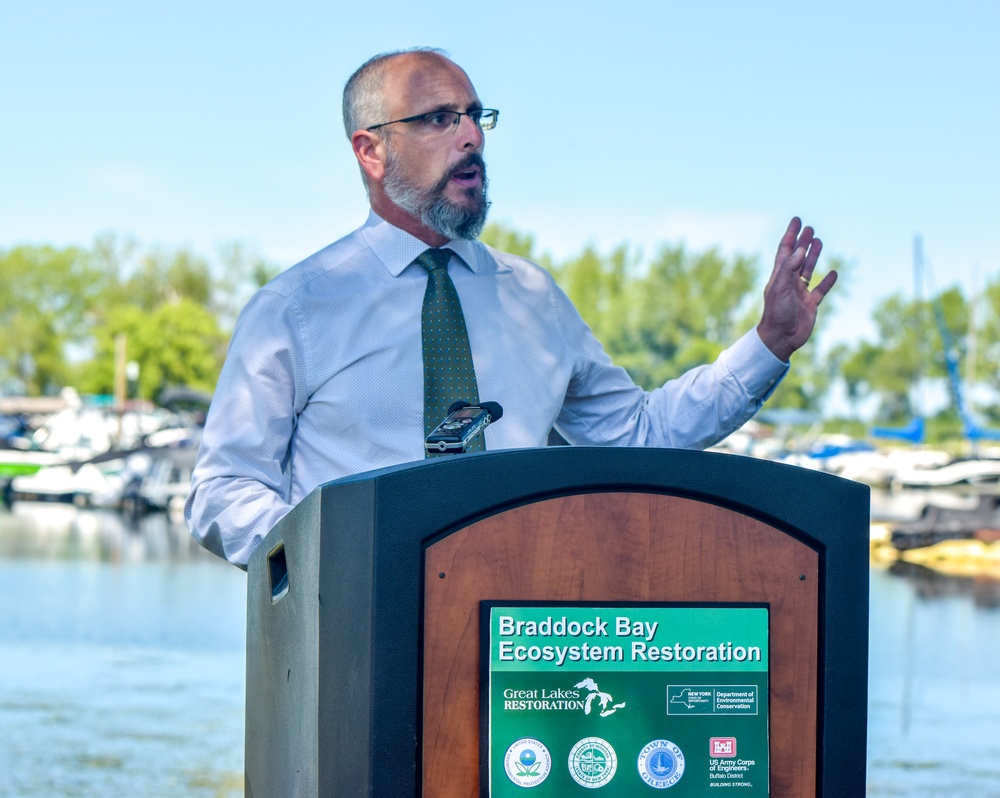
x,y
327,371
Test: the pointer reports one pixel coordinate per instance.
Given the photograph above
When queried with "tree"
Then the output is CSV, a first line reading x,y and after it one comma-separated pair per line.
x,y
679,310
46,294
987,365
179,343
601,287
688,308
909,351
174,310
657,318
243,272
661,319
159,276
854,366
507,239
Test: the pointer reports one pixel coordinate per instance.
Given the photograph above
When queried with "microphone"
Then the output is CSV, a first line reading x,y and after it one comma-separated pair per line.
x,y
464,422
494,409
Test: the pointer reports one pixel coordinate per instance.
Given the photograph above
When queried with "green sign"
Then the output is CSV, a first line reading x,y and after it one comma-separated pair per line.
x,y
630,700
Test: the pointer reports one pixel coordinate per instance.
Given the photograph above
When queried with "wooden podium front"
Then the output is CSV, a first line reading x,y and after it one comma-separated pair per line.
x,y
363,654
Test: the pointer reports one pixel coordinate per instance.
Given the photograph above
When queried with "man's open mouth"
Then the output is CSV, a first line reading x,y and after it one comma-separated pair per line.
x,y
470,172
466,175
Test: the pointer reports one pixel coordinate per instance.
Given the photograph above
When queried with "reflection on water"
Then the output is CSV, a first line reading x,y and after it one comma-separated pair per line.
x,y
930,584
123,667
55,530
934,695
934,692
123,659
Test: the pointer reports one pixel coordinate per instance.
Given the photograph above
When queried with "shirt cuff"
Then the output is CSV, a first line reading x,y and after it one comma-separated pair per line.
x,y
754,365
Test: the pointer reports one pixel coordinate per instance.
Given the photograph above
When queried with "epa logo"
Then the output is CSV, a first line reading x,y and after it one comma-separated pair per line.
x,y
527,762
722,746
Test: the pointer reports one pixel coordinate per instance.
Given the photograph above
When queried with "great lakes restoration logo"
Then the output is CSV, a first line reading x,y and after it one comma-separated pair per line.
x,y
594,693
527,762
585,695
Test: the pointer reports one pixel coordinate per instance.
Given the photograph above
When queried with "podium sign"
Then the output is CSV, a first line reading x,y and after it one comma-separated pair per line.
x,y
621,696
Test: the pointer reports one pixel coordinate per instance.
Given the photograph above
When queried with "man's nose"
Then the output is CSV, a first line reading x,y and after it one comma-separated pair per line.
x,y
470,134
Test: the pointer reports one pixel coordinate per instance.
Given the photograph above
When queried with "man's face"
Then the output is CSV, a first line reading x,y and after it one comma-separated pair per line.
x,y
438,178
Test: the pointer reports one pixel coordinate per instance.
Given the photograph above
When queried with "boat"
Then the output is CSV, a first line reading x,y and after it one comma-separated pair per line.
x,y
167,484
958,473
878,468
59,483
14,462
937,524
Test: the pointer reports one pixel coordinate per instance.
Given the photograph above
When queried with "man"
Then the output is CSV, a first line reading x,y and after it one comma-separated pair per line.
x,y
330,373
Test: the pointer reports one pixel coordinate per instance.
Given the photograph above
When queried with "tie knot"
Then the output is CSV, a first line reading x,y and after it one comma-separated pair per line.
x,y
433,259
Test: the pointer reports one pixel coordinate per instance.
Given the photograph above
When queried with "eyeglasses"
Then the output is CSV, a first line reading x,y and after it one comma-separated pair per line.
x,y
443,121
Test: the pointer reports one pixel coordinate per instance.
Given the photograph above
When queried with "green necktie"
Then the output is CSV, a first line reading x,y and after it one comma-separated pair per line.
x,y
449,374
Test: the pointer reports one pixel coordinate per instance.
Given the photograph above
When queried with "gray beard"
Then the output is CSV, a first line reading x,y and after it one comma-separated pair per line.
x,y
433,209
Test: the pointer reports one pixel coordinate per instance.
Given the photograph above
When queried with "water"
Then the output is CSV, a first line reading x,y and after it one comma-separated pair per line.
x,y
122,667
121,660
934,691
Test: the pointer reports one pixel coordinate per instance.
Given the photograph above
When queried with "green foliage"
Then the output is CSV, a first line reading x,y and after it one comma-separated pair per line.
x,y
178,343
172,307
855,366
987,326
62,309
909,352
45,297
657,319
688,309
243,272
680,310
602,289
506,239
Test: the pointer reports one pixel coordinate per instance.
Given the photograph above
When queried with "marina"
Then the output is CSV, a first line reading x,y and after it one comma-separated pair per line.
x,y
124,662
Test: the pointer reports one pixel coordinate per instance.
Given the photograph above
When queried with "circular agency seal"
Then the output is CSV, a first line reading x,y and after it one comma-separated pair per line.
x,y
661,764
527,762
592,762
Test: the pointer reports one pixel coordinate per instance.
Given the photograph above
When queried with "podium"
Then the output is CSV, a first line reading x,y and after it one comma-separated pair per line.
x,y
368,657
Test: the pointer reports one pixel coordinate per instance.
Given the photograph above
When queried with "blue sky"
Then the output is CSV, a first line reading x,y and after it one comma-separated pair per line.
x,y
710,123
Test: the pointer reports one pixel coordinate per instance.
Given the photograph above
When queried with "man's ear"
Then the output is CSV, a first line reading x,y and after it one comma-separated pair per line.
x,y
370,152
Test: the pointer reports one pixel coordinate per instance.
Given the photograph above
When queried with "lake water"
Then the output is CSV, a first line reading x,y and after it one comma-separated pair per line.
x,y
122,667
121,659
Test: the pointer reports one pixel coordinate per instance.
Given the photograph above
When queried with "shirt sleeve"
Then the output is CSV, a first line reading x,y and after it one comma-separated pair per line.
x,y
241,481
696,410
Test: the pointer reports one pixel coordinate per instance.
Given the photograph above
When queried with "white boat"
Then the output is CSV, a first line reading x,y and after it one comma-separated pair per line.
x,y
14,462
971,473
169,481
61,483
879,468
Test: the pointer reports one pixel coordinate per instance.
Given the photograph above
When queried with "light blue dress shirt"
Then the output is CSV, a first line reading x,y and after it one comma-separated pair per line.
x,y
324,378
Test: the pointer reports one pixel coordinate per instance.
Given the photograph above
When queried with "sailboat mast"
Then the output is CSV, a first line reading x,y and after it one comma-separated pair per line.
x,y
920,407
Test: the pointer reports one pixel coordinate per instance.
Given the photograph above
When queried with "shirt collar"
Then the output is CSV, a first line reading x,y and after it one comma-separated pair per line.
x,y
397,249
